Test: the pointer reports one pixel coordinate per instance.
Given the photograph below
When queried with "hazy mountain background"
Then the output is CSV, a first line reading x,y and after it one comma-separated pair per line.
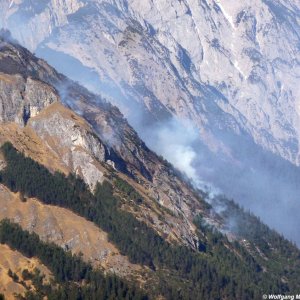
x,y
213,86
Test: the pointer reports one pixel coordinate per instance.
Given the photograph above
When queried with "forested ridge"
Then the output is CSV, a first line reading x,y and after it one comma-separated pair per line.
x,y
220,269
74,279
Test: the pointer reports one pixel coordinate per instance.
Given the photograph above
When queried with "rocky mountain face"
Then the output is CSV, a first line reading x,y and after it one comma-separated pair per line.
x,y
57,128
21,98
228,70
88,146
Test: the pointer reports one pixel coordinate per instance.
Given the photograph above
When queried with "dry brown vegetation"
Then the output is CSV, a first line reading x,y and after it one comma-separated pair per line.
x,y
16,262
68,230
26,140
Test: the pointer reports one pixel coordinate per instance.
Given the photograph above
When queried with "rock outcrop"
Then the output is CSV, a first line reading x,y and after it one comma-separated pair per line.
x,y
22,98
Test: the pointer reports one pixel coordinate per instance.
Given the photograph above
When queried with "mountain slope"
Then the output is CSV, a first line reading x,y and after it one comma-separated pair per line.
x,y
220,269
164,233
236,83
69,231
17,263
119,145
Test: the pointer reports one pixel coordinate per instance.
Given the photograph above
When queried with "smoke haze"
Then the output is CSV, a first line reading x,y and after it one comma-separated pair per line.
x,y
258,184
